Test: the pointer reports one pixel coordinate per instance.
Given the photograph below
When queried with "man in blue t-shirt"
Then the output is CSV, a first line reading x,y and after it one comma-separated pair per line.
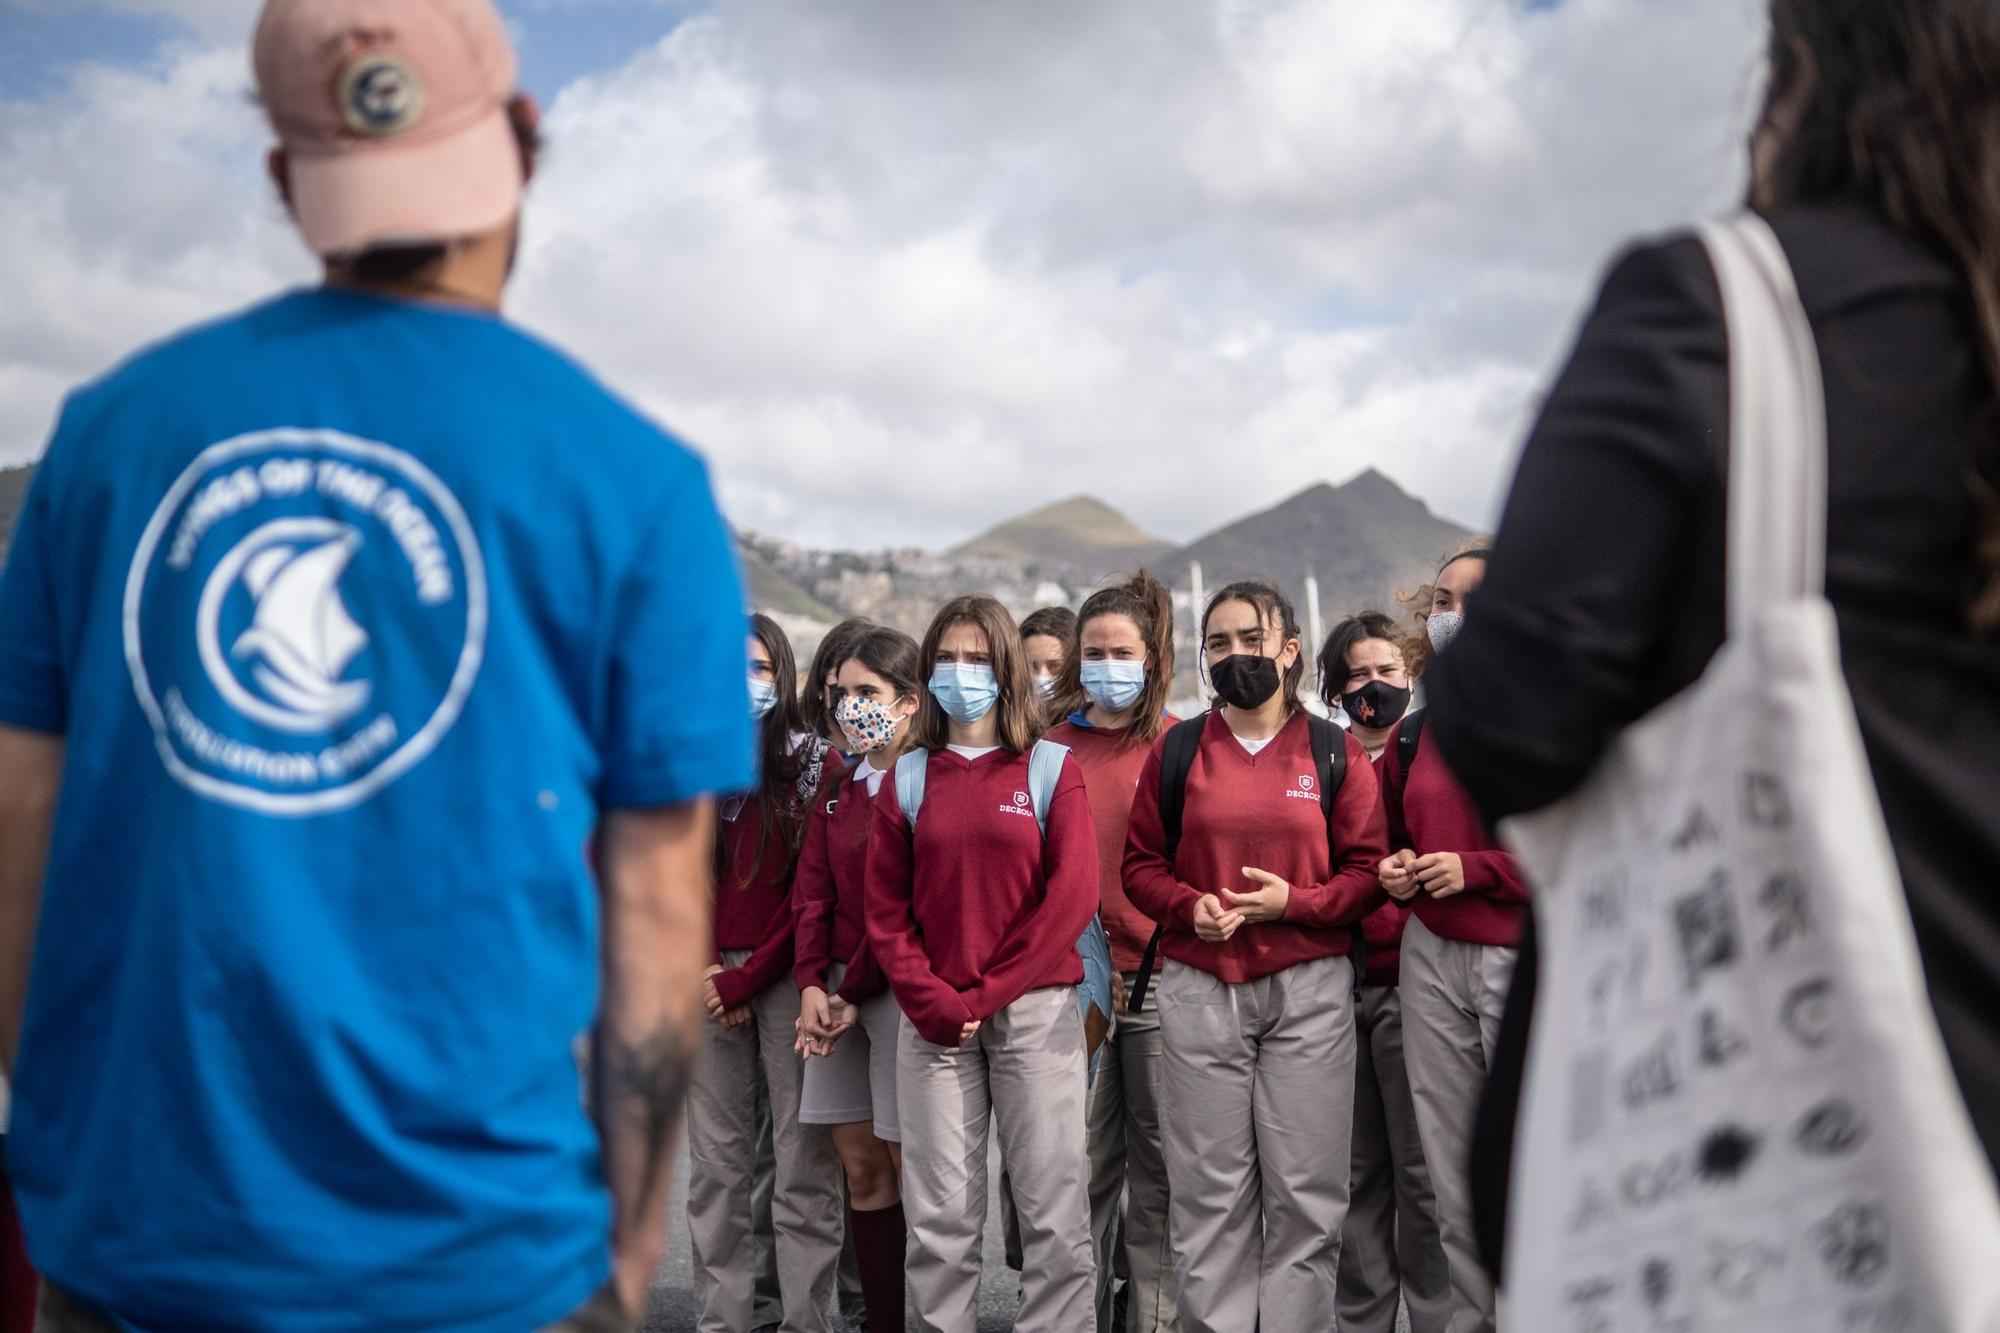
x,y
342,637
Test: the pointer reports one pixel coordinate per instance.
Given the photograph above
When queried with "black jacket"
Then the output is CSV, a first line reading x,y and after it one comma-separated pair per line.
x,y
1605,596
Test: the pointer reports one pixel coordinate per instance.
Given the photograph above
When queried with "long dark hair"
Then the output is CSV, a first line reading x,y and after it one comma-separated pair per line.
x,y
1145,601
1357,628
1018,708
781,814
1274,610
1898,101
892,655
1058,623
836,647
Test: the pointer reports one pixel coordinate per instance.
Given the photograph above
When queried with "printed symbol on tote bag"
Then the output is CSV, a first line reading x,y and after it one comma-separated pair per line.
x,y
1603,907
1853,1243
1725,1154
1592,1210
1740,1268
1696,830
1589,1303
1786,909
1718,1042
1647,1185
1833,1128
1705,925
1653,1078
1807,1013
1879,1314
1765,804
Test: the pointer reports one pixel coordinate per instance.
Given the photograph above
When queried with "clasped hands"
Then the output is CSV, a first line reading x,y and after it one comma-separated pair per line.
x,y
1217,916
1405,874
822,1018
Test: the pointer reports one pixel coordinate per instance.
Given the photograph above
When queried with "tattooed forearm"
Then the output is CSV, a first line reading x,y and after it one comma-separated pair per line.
x,y
641,1088
655,868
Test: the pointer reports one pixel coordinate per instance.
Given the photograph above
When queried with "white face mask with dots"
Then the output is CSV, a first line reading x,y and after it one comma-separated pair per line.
x,y
1443,627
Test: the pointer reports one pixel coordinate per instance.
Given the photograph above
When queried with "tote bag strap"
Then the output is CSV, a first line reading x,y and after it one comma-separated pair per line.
x,y
1777,425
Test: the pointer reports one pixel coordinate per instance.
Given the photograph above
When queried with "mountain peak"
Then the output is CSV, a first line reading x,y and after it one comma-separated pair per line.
x,y
1080,531
1374,487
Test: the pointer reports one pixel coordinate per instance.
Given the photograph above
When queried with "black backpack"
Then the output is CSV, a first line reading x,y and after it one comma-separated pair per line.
x,y
1329,750
1396,774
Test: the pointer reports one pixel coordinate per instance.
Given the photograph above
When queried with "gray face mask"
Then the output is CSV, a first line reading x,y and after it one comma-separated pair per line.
x,y
1443,627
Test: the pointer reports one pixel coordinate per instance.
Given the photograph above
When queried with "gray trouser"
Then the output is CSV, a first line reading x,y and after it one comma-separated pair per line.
x,y
1390,1247
57,1313
1453,993
806,1208
1260,1093
1126,1166
768,1305
1023,1072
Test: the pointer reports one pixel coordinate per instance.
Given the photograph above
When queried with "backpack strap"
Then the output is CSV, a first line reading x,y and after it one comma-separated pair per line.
x,y
1396,774
1176,759
912,767
1045,766
1329,748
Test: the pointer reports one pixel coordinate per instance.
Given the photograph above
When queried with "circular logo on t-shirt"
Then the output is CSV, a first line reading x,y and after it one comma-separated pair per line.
x,y
304,617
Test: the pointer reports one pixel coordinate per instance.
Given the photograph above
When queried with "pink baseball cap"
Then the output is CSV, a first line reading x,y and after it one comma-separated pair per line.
x,y
393,116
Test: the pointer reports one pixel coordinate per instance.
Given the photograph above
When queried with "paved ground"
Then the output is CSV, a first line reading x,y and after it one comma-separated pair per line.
x,y
672,1308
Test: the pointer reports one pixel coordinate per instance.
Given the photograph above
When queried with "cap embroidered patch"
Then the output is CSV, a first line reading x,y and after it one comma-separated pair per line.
x,y
380,95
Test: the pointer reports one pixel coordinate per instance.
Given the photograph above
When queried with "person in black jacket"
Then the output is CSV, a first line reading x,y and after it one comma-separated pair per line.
x,y
1875,161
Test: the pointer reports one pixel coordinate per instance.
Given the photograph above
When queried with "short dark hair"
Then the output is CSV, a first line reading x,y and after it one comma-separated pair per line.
x,y
1355,629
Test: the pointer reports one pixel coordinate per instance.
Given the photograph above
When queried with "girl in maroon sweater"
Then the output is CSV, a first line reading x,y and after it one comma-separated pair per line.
x,y
848,1020
1115,686
1389,1251
747,1053
1256,1000
974,915
1468,902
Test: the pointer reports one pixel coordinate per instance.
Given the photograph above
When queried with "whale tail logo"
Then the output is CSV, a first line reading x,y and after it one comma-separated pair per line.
x,y
301,638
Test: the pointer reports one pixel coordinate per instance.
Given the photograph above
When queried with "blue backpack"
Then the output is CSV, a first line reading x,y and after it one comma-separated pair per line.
x,y
1045,763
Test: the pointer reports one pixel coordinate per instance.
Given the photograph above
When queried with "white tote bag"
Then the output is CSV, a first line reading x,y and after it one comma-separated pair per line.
x,y
1738,1111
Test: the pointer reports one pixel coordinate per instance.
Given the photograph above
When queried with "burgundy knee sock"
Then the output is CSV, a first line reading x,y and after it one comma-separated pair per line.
x,y
879,1244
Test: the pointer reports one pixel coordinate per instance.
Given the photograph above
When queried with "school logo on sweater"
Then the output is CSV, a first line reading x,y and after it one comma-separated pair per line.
x,y
1304,791
304,617
1022,806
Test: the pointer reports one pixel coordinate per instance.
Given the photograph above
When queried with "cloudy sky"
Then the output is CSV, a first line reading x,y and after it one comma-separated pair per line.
x,y
903,267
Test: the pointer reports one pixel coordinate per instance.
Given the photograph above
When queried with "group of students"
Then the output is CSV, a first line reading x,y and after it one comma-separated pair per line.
x,y
1310,937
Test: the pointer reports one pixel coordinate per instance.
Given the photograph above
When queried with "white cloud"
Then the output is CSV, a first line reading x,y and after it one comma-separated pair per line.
x,y
902,269
217,18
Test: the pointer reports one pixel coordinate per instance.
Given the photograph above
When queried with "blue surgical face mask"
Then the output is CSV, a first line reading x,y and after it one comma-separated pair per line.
x,y
763,698
1114,686
1045,686
965,690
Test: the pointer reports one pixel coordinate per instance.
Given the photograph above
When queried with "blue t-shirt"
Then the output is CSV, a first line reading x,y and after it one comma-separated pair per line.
x,y
355,615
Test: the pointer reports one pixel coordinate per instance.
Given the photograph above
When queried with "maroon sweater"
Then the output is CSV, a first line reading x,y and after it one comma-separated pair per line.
x,y
1258,810
1429,812
1110,775
753,898
1384,926
976,908
827,921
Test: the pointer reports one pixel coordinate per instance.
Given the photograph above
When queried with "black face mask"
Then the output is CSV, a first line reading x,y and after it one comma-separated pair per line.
x,y
1376,705
1247,680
